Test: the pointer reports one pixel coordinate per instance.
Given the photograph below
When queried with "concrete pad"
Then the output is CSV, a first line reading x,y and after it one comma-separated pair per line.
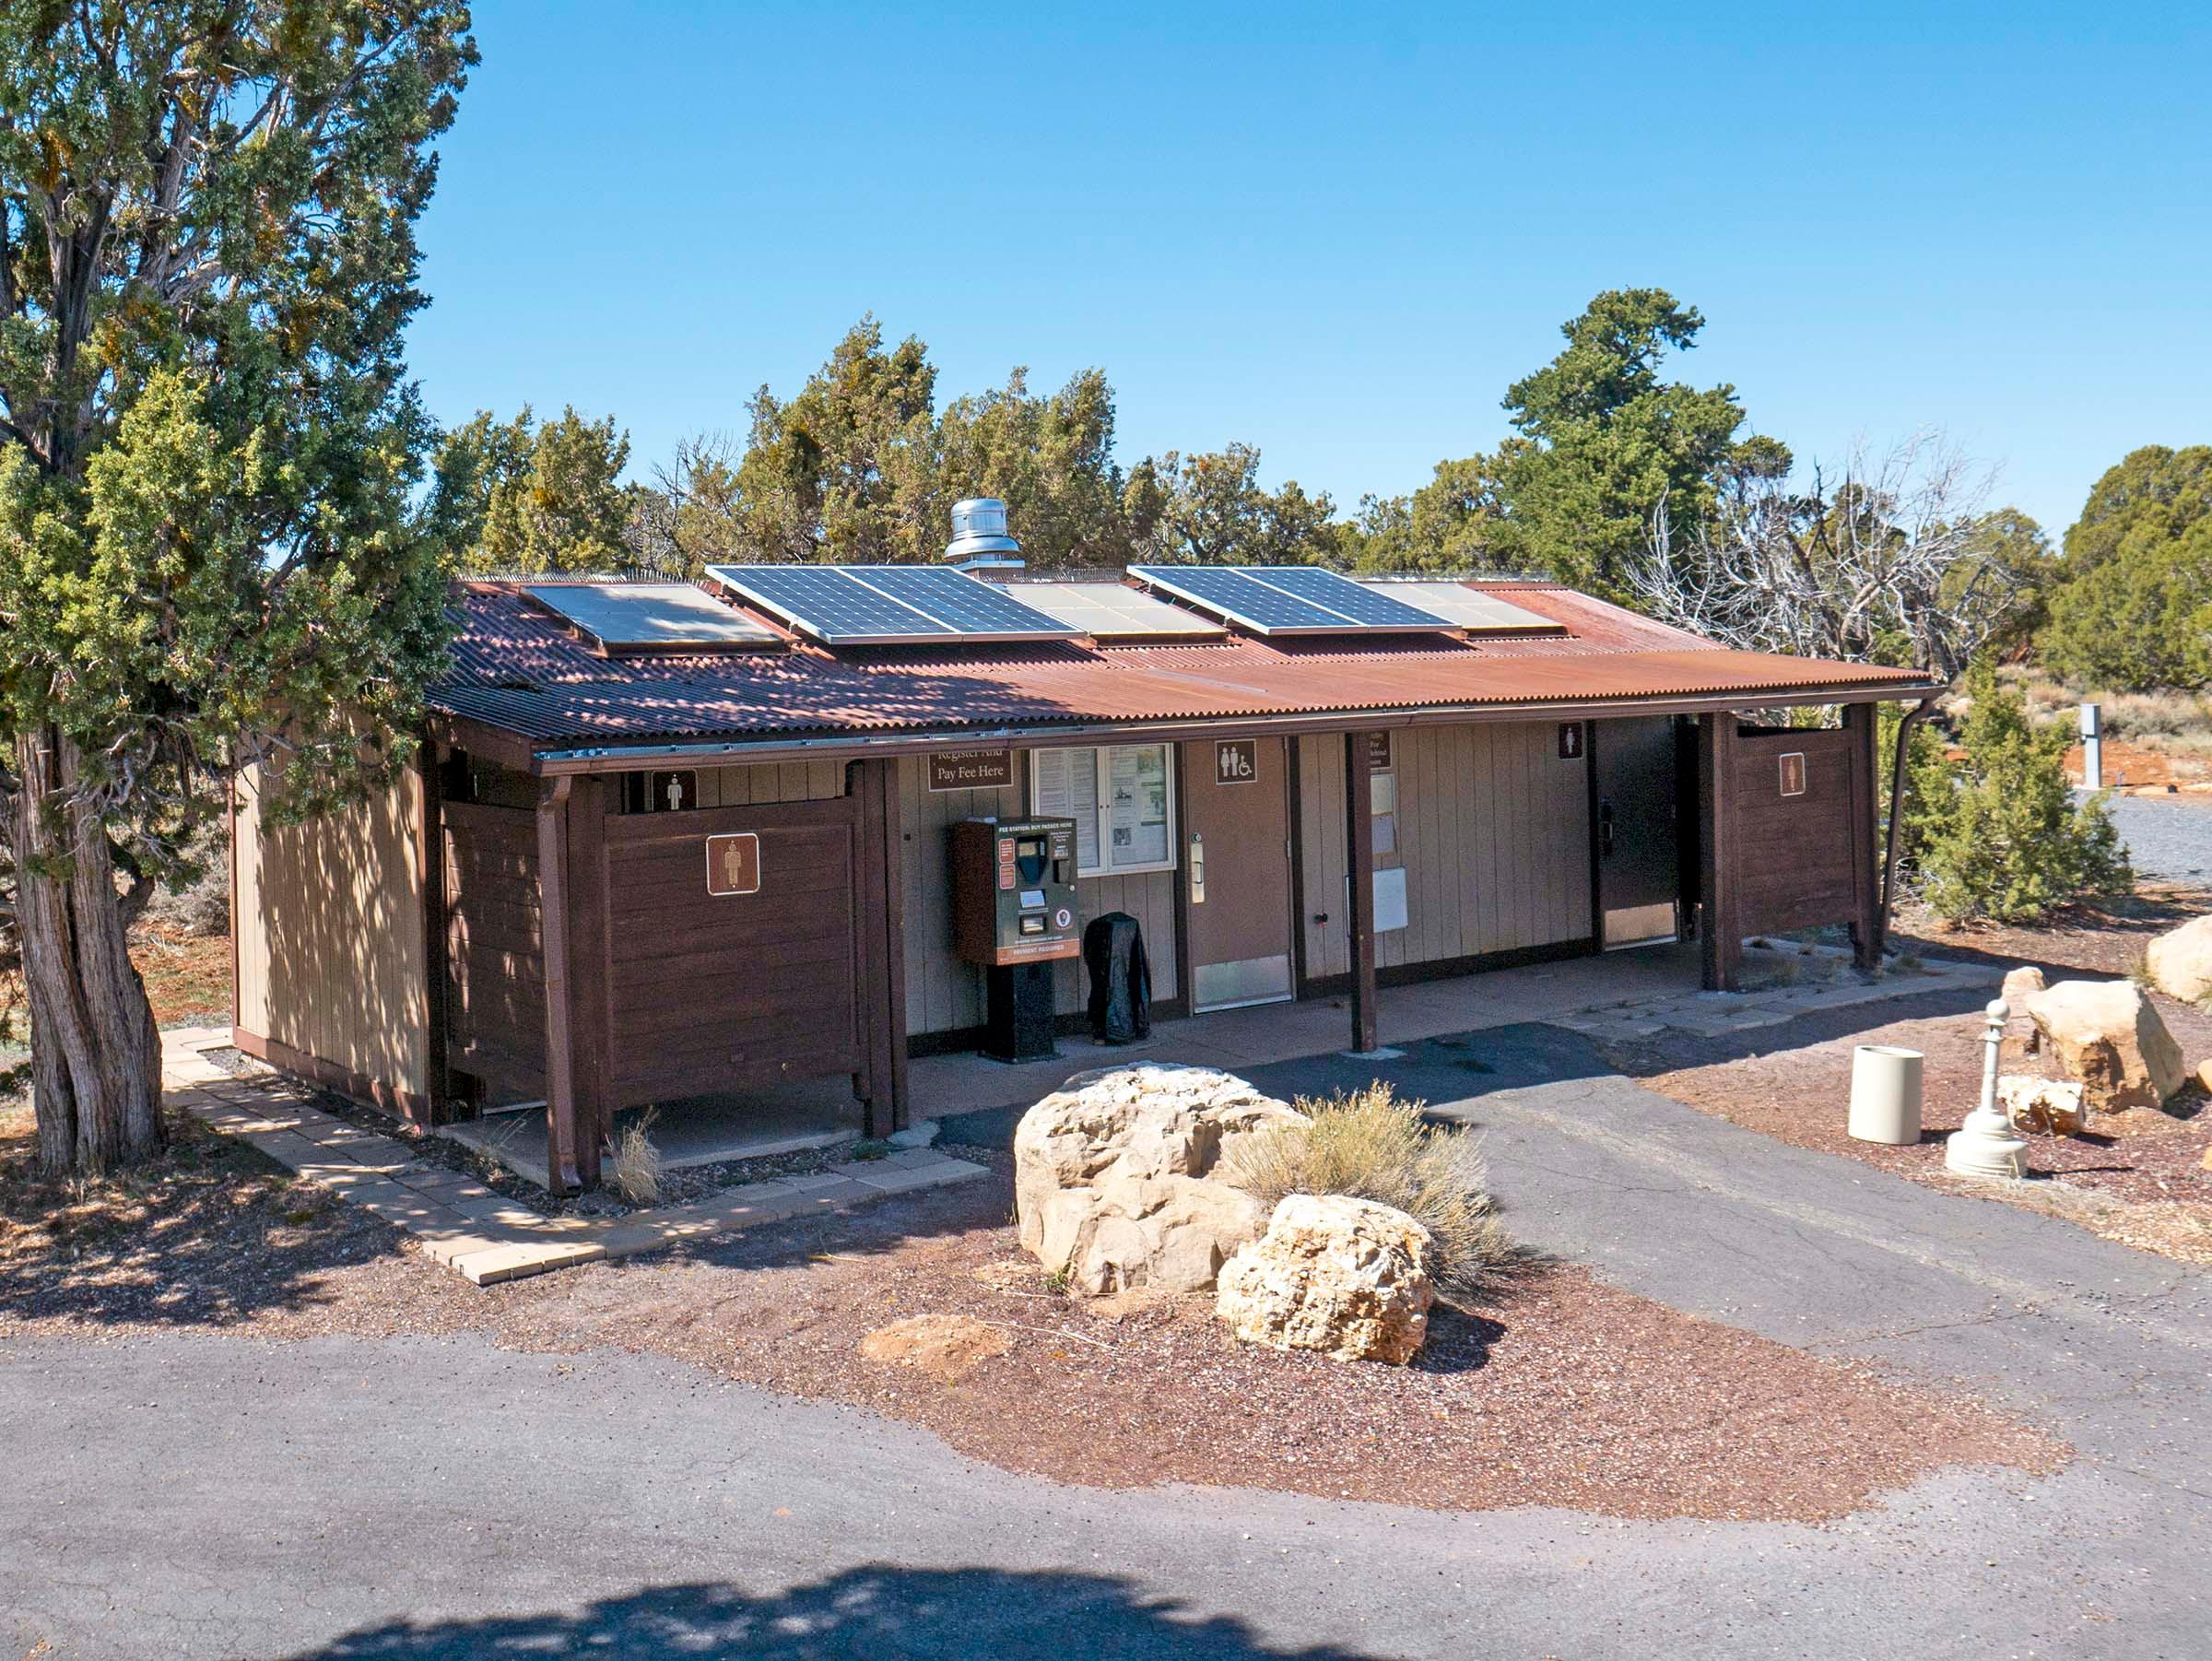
x,y
514,1262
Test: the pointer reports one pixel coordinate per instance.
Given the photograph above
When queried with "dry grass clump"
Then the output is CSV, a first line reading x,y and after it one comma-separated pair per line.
x,y
635,1162
1369,1145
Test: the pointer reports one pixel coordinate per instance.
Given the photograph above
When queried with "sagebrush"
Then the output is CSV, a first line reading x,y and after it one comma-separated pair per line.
x,y
634,1162
1369,1145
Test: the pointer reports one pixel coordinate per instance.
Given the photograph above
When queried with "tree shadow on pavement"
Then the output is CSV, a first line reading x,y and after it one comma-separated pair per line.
x,y
874,1611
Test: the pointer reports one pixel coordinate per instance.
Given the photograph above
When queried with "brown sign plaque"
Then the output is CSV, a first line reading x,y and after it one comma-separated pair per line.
x,y
1237,761
1792,772
1571,740
1378,752
972,769
734,864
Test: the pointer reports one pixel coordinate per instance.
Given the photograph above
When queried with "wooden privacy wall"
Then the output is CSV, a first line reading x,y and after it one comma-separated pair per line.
x,y
1806,858
945,994
327,920
703,992
1494,832
494,950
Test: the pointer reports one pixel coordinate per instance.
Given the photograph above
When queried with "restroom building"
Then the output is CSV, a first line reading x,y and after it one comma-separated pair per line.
x,y
669,840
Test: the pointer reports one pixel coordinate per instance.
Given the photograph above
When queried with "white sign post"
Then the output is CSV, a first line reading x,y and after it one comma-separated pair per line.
x,y
2092,749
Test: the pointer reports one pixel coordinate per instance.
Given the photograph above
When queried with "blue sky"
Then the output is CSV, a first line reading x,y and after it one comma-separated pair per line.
x,y
1340,233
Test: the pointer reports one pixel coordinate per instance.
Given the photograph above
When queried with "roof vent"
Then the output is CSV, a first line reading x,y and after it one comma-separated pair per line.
x,y
979,537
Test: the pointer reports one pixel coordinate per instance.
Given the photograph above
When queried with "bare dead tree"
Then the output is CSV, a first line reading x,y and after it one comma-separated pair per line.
x,y
687,516
1889,561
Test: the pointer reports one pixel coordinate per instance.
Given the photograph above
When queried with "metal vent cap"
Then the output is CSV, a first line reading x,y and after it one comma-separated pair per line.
x,y
979,535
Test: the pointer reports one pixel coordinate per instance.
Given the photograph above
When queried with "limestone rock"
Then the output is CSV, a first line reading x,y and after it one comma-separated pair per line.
x,y
2180,961
2041,1107
1346,1278
2108,1035
2022,984
946,1347
1112,1178
2203,1076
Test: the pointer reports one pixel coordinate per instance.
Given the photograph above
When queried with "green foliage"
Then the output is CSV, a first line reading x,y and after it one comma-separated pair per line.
x,y
1369,1145
2011,549
1445,526
208,545
1997,834
861,466
2134,612
1604,440
521,497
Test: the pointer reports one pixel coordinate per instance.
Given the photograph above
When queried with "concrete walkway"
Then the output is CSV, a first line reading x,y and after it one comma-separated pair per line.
x,y
481,1235
1630,994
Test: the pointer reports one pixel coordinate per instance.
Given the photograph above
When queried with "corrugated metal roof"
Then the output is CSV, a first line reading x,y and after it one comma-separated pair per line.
x,y
515,670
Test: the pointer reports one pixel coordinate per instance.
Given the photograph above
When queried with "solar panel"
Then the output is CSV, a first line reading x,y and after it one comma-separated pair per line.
x,y
1293,599
887,604
977,609
647,616
1109,611
1467,607
1341,595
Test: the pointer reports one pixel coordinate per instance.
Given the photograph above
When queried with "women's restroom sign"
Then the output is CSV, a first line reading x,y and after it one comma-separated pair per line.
x,y
734,864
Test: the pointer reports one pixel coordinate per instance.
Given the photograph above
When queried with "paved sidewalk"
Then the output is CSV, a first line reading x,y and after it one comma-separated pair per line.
x,y
481,1235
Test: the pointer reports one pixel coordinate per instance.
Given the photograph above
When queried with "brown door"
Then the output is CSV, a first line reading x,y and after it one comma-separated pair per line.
x,y
1236,831
1639,870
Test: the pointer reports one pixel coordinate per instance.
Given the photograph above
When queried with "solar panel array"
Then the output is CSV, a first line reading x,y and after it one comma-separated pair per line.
x,y
887,605
1288,599
1466,607
649,616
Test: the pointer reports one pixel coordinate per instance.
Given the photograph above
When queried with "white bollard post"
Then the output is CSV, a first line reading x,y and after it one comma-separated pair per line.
x,y
1984,1145
2092,748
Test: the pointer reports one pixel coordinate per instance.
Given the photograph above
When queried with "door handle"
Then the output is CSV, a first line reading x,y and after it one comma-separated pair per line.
x,y
1604,828
1197,869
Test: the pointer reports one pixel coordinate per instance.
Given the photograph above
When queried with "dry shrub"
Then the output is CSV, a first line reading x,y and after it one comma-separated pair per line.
x,y
635,1162
2169,714
1369,1145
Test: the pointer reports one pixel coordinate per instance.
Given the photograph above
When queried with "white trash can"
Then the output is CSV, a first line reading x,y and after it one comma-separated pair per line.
x,y
1885,1094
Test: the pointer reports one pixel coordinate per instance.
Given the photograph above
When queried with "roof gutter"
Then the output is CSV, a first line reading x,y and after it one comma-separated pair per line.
x,y
865,746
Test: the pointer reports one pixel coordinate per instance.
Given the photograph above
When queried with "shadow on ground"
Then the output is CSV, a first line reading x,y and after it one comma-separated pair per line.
x,y
870,1611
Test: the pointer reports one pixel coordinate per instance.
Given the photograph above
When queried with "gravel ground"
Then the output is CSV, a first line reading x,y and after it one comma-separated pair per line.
x,y
1560,1390
2169,838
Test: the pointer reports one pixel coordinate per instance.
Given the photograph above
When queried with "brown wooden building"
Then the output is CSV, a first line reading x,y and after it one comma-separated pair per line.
x,y
665,842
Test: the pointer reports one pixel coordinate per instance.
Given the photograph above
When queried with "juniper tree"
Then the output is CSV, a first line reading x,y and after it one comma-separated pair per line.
x,y
210,457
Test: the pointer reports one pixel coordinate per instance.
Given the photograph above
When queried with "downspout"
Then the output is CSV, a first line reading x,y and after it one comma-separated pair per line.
x,y
1897,800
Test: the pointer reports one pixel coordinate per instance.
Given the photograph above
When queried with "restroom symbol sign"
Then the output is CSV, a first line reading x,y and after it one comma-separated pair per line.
x,y
1237,761
734,864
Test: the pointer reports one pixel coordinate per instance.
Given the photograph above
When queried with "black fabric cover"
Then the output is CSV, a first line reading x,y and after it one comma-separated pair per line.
x,y
1120,979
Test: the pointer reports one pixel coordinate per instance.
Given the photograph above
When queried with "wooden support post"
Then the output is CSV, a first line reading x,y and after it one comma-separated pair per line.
x,y
563,1169
1721,934
1859,722
591,968
1360,844
430,864
881,917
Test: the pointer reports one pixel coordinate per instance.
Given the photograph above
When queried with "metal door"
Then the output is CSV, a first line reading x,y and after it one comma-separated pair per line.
x,y
1236,826
1639,866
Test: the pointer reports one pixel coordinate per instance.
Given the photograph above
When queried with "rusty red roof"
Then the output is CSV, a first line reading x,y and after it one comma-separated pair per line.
x,y
515,668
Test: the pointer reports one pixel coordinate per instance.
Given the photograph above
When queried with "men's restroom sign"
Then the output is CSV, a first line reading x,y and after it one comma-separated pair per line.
x,y
1237,761
734,864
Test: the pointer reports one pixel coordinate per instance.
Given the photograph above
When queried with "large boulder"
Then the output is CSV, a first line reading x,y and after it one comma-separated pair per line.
x,y
2020,985
2041,1107
2180,961
2110,1036
1345,1278
1112,1176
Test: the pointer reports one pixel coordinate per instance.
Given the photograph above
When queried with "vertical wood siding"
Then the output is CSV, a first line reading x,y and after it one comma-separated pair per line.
x,y
944,993
328,920
1493,835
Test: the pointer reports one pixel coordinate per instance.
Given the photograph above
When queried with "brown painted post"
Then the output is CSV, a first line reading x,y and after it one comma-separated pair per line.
x,y
590,1037
1860,721
1360,844
430,863
1721,936
879,874
563,1173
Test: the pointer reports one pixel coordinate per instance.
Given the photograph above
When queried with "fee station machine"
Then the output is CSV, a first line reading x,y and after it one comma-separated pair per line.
x,y
1014,913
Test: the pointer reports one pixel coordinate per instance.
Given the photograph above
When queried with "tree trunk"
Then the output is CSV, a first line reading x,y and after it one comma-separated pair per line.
x,y
95,1055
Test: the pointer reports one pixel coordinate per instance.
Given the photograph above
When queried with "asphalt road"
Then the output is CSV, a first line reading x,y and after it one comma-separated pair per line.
x,y
2167,837
204,1496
